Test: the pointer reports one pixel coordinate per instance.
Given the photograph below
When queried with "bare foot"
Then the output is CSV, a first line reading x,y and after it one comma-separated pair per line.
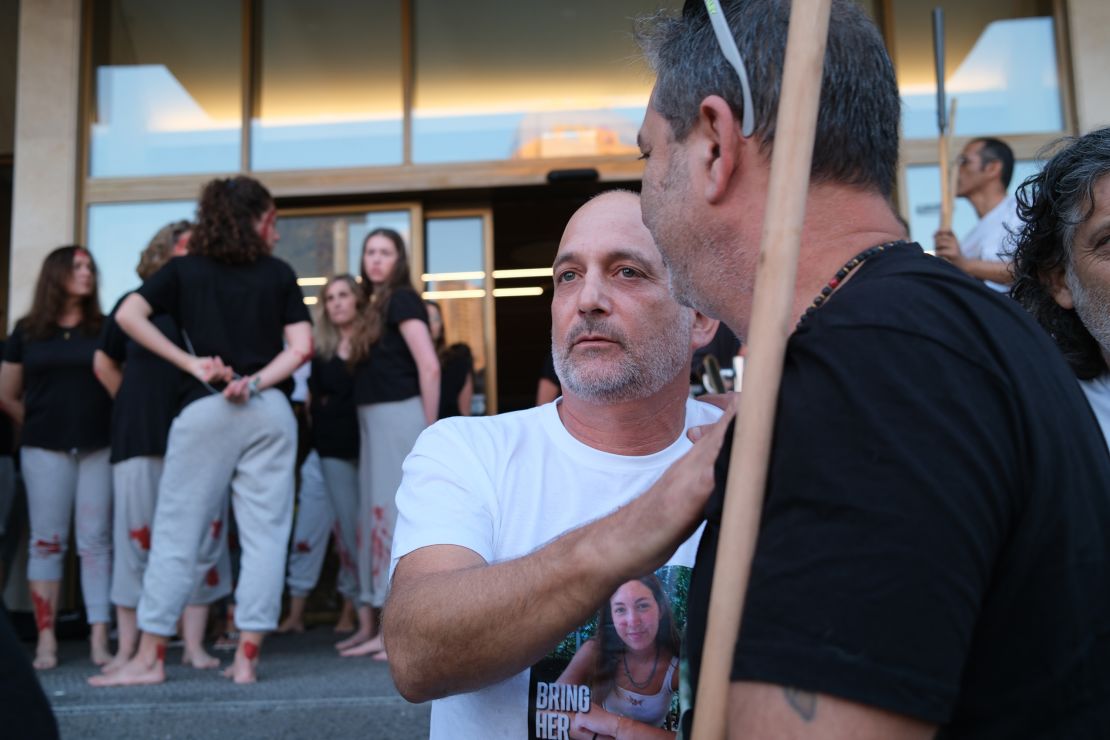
x,y
242,670
119,661
357,638
45,658
371,646
99,653
381,656
198,658
346,621
290,624
46,651
137,672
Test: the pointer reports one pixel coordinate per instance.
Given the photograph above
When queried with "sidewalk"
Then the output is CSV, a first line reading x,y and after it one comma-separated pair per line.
x,y
304,691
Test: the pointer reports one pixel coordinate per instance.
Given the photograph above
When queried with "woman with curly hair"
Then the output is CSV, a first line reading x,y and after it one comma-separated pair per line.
x,y
145,391
245,329
397,395
631,665
47,385
1062,275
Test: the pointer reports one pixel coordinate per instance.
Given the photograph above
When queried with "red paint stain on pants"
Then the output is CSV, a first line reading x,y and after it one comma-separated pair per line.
x,y
141,535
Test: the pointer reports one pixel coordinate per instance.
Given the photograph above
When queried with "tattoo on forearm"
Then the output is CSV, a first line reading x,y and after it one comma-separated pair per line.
x,y
804,703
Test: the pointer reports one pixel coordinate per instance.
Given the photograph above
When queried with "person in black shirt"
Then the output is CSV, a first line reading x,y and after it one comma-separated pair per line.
x,y
47,385
246,329
333,437
7,489
456,364
933,552
397,395
145,403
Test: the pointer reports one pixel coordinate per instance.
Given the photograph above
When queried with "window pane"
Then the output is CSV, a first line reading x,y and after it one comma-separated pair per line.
x,y
329,85
560,78
1000,62
317,246
167,97
923,196
454,250
118,234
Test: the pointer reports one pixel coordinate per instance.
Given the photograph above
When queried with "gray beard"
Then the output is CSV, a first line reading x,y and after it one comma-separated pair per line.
x,y
640,372
1093,308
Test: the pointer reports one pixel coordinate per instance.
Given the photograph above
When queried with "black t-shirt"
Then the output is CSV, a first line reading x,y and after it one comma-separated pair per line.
x,y
389,373
456,365
7,437
235,312
65,406
147,400
331,389
935,535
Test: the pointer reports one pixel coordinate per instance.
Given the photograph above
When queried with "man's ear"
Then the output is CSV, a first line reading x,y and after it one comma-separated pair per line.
x,y
1058,288
718,146
703,330
993,168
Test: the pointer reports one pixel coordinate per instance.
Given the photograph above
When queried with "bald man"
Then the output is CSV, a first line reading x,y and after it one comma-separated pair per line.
x,y
492,566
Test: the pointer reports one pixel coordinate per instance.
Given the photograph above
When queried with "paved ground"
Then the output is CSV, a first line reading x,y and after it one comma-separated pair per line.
x,y
304,691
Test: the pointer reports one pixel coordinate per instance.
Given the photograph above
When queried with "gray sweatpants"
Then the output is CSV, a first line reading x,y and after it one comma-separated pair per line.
x,y
214,443
314,524
387,432
61,486
341,484
135,495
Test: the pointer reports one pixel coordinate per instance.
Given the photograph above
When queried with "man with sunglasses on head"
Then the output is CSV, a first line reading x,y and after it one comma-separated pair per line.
x,y
933,552
986,167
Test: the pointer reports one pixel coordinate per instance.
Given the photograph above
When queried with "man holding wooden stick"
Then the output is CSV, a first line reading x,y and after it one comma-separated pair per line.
x,y
986,167
933,552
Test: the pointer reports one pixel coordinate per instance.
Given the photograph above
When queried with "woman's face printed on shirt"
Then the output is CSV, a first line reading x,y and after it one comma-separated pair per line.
x,y
379,258
82,279
340,303
635,615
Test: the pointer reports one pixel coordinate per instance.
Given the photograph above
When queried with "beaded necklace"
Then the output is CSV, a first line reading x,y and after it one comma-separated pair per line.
x,y
842,274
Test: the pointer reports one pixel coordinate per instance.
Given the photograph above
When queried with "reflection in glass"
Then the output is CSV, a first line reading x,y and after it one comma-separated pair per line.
x,y
923,198
319,245
119,232
166,96
559,79
1000,62
329,85
455,265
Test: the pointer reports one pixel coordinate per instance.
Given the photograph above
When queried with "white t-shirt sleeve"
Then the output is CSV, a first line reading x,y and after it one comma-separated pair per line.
x,y
445,497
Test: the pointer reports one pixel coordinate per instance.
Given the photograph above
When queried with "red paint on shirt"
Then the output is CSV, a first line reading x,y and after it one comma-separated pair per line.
x,y
303,546
212,578
217,527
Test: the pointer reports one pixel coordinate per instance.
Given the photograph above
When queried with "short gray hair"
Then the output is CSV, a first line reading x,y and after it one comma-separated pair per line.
x,y
857,128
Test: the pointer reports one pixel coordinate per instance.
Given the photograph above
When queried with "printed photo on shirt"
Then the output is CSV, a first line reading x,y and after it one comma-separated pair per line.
x,y
620,667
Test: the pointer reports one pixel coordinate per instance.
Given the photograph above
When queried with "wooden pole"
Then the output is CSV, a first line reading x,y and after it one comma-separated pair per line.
x,y
949,172
943,123
772,310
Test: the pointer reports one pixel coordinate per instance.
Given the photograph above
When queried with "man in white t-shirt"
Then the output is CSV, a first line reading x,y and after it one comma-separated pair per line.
x,y
986,168
513,530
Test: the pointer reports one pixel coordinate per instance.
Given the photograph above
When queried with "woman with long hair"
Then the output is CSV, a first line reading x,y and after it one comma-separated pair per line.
x,y
631,665
145,391
245,330
333,426
47,385
397,395
456,368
